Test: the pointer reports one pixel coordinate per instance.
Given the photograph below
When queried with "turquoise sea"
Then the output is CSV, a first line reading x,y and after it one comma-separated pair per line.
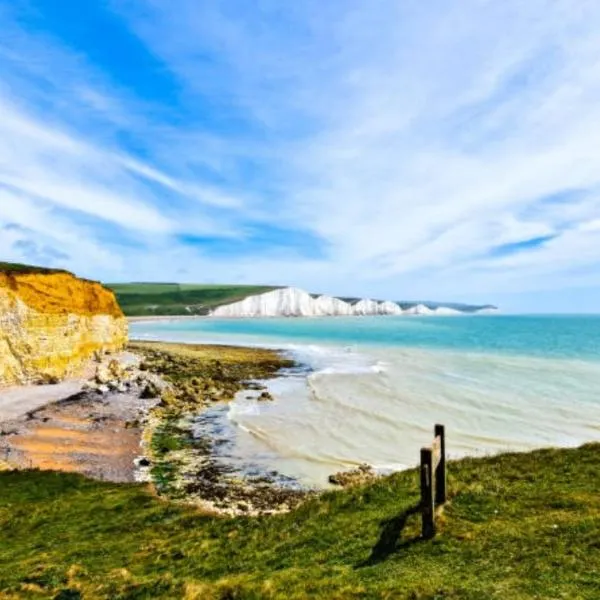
x,y
372,387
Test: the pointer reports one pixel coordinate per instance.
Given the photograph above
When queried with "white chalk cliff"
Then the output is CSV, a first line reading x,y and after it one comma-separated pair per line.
x,y
294,302
389,308
330,306
365,307
419,309
286,302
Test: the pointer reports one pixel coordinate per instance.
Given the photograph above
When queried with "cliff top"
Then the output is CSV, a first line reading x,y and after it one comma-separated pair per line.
x,y
57,291
21,269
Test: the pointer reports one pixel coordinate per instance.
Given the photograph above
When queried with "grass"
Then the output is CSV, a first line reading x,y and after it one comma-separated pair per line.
x,y
21,269
518,526
145,299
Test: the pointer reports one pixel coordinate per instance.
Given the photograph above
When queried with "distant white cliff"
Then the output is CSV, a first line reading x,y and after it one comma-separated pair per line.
x,y
285,302
365,307
389,308
294,302
419,309
330,306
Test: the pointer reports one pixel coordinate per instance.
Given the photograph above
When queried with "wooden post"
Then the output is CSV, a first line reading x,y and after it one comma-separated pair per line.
x,y
440,475
427,500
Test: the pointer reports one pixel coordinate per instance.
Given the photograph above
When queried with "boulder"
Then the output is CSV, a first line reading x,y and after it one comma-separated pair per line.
x,y
359,476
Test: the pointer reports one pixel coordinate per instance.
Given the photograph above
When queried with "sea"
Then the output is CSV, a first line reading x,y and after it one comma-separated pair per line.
x,y
370,389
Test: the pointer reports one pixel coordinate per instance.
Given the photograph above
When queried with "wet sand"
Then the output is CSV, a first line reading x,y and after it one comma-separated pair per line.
x,y
17,401
64,427
98,436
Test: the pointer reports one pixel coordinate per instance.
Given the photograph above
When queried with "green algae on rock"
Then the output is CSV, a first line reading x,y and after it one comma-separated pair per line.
x,y
183,466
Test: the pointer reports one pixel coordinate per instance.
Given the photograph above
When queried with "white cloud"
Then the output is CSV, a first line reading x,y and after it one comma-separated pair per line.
x,y
412,139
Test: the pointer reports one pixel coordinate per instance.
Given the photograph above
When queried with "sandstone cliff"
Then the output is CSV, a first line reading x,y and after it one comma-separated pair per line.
x,y
51,323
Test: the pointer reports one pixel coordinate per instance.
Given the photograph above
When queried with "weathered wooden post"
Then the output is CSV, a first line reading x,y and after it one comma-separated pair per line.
x,y
433,480
440,475
427,499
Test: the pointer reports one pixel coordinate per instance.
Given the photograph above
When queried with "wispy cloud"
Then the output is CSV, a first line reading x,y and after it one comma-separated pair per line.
x,y
402,149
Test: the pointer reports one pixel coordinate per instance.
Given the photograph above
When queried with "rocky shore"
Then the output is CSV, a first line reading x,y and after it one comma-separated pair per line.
x,y
152,414
183,460
149,415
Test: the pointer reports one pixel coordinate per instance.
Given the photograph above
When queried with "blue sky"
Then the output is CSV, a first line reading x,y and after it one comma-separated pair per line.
x,y
400,149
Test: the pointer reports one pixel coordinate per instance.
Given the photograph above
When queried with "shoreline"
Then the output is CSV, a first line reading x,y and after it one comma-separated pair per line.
x,y
185,464
150,318
141,423
380,409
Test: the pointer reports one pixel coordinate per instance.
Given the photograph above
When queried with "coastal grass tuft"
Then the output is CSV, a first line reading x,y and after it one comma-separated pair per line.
x,y
518,526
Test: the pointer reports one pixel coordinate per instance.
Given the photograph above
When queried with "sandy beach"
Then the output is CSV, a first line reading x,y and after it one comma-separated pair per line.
x,y
85,425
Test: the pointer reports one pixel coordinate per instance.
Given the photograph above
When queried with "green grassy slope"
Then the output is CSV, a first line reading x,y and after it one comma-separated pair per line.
x,y
518,526
141,299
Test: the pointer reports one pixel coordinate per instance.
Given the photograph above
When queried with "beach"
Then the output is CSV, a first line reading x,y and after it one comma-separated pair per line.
x,y
135,418
92,424
296,401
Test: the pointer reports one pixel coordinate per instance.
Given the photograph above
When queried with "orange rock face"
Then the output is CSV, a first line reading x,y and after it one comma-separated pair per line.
x,y
52,323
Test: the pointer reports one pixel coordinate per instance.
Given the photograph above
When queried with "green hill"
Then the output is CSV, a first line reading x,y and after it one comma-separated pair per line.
x,y
517,526
143,299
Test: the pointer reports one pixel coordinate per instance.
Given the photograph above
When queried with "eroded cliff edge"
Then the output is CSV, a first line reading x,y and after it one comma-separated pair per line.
x,y
52,323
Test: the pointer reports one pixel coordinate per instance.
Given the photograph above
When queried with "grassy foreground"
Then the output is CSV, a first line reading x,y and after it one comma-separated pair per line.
x,y
518,526
146,299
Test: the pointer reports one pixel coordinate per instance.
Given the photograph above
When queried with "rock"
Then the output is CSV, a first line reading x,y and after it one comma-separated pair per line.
x,y
103,375
115,369
46,379
143,462
150,391
359,476
102,389
265,396
254,385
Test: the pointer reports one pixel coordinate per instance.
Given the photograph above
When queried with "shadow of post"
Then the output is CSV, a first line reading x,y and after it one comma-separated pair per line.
x,y
391,530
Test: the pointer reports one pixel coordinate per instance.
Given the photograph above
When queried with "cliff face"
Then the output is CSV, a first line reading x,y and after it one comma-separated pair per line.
x,y
292,302
52,323
288,302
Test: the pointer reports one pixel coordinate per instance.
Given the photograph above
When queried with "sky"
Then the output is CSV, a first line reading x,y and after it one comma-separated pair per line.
x,y
395,149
